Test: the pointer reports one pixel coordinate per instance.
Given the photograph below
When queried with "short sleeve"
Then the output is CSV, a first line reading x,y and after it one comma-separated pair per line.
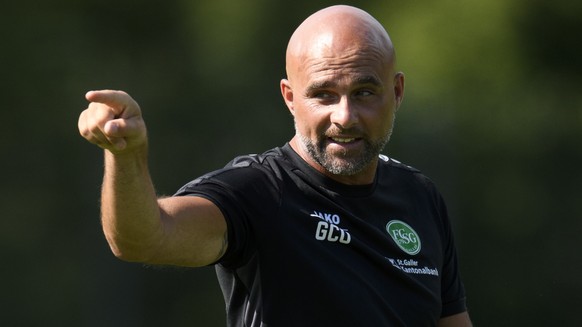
x,y
244,195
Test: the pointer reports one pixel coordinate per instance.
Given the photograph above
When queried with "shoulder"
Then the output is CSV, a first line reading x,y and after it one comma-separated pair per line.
x,y
250,170
264,159
397,171
391,163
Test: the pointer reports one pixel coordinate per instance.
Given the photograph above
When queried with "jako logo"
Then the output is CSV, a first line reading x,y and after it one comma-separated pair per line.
x,y
330,218
405,237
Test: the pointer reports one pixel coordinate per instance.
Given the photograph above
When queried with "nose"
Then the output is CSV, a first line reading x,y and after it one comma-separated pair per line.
x,y
345,114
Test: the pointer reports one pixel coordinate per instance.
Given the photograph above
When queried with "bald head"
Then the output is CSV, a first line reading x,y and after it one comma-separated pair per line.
x,y
342,91
334,30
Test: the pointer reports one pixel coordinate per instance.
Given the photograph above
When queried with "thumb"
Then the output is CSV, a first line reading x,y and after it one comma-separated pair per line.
x,y
112,132
111,128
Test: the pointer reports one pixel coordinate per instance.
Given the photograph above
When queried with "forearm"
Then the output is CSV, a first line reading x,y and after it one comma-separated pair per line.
x,y
188,231
129,209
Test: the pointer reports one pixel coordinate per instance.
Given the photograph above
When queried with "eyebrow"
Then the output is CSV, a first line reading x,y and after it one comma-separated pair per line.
x,y
319,85
368,79
360,80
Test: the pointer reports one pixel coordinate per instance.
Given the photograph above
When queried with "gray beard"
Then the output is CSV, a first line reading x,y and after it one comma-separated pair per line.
x,y
343,165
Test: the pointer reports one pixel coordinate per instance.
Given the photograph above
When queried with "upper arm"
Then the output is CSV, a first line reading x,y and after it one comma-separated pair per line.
x,y
194,232
458,320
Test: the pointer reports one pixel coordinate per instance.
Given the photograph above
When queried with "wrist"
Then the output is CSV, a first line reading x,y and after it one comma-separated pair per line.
x,y
135,158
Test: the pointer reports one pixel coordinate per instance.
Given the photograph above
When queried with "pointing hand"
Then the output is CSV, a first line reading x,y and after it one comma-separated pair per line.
x,y
113,121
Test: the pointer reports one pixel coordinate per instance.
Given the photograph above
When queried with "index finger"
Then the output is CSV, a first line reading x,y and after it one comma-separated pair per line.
x,y
117,100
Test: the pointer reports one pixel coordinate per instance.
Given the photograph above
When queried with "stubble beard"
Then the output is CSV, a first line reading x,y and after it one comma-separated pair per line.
x,y
343,164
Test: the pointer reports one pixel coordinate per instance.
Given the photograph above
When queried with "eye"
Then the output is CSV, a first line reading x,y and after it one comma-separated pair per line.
x,y
322,95
364,93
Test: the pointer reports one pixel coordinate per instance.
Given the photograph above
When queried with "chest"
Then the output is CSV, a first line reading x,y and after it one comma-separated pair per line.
x,y
379,254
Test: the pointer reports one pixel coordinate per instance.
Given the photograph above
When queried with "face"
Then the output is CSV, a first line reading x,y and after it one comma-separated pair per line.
x,y
343,99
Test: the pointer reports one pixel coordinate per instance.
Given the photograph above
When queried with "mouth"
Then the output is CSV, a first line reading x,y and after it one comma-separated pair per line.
x,y
344,144
343,139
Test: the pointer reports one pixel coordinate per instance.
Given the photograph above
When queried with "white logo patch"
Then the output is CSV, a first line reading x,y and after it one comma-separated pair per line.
x,y
328,230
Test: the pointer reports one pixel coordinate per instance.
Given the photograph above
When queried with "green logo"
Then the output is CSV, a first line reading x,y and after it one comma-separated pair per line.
x,y
404,236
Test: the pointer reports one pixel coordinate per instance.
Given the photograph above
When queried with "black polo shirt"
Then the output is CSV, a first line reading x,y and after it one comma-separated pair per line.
x,y
305,250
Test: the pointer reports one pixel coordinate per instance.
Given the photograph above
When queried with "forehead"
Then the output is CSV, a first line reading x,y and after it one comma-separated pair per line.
x,y
350,44
353,63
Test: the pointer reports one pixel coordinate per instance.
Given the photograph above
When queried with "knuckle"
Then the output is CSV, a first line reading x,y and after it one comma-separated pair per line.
x,y
85,133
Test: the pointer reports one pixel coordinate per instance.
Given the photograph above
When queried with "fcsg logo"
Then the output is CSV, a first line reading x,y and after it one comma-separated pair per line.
x,y
404,236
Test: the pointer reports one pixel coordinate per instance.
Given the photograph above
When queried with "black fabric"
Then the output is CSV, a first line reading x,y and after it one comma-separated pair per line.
x,y
304,250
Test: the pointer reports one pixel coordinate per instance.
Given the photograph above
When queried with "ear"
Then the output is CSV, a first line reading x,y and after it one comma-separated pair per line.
x,y
398,89
287,93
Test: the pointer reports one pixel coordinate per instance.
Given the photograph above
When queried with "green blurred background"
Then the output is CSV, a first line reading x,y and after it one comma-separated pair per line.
x,y
493,114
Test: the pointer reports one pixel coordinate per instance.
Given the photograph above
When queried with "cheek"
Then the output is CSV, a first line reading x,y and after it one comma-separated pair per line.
x,y
379,124
310,121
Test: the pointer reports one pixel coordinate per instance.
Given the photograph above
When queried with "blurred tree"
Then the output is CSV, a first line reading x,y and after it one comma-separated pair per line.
x,y
492,113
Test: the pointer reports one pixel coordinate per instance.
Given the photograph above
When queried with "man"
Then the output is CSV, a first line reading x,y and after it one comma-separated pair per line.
x,y
323,231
